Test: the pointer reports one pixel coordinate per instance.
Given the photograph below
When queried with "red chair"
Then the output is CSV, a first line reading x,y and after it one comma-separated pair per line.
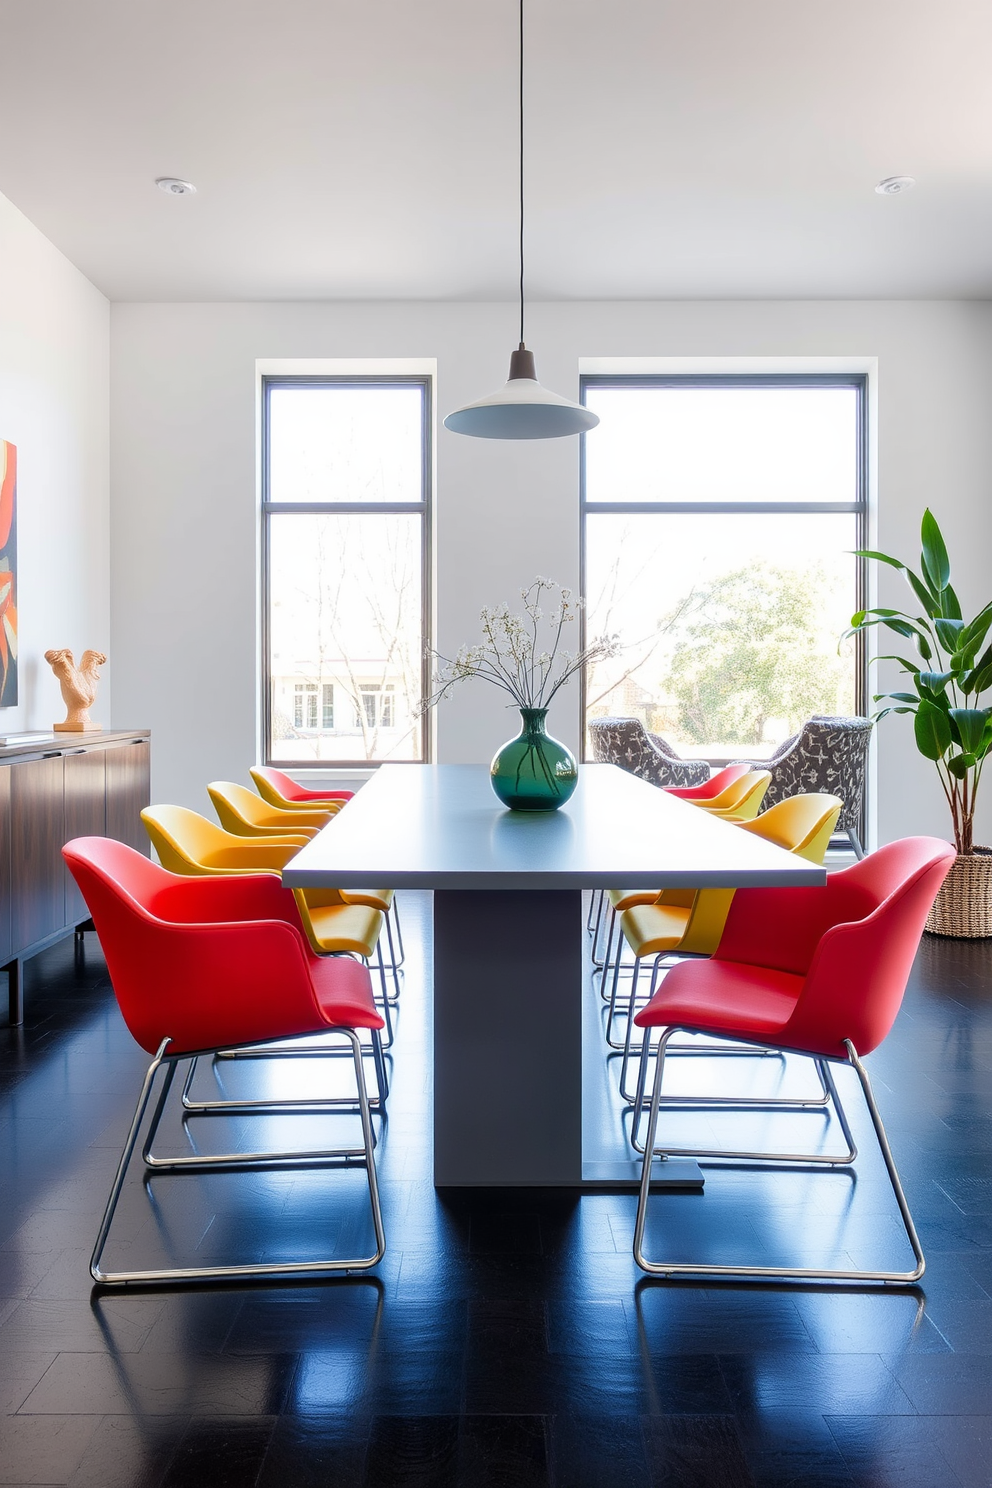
x,y
279,789
711,787
811,971
202,964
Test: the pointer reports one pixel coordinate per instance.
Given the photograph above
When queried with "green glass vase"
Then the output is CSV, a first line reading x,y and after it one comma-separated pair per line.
x,y
533,772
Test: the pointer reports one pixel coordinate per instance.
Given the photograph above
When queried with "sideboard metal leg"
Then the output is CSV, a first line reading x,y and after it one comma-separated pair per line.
x,y
15,991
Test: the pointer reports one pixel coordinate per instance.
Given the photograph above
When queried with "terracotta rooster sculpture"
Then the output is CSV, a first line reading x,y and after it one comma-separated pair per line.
x,y
78,688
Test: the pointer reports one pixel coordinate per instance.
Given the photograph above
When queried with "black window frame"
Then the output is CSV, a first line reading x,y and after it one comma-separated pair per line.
x,y
859,507
423,508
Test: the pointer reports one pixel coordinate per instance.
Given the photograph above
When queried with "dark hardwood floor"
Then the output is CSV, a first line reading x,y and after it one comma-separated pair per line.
x,y
505,1339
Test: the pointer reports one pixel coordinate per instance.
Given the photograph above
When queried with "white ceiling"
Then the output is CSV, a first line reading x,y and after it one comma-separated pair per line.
x,y
367,148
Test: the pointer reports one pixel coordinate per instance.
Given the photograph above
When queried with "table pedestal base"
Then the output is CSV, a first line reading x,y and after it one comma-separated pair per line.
x,y
508,1038
625,1177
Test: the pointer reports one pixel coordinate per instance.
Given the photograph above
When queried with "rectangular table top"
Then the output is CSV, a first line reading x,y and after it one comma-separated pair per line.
x,y
441,827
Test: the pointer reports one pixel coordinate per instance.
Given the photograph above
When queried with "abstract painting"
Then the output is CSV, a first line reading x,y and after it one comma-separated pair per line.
x,y
8,574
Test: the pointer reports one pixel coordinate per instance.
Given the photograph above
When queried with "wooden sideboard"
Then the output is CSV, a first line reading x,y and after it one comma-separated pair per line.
x,y
75,785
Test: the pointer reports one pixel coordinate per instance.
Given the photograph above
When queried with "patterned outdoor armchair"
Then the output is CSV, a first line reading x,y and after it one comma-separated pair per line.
x,y
828,755
627,743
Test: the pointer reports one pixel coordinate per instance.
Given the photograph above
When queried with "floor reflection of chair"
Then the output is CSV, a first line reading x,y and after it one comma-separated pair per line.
x,y
194,1374
200,964
815,973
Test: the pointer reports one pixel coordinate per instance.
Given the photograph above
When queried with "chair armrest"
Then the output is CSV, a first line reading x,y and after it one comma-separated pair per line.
x,y
668,773
209,900
207,985
781,928
294,821
257,854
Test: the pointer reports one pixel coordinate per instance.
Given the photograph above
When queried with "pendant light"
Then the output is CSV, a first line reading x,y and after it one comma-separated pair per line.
x,y
522,408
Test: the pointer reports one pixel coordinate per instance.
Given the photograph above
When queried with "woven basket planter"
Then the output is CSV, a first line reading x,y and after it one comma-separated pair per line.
x,y
964,905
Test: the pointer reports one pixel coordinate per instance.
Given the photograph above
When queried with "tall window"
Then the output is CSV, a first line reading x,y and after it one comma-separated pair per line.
x,y
346,545
720,515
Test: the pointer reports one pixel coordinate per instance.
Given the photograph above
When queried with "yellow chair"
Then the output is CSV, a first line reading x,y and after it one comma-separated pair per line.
x,y
741,801
244,814
692,922
188,843
240,811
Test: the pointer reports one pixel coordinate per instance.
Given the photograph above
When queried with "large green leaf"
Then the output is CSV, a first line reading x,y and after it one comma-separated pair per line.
x,y
881,557
969,725
975,633
949,633
898,697
933,731
905,628
929,601
960,764
908,666
984,659
950,603
936,564
979,680
935,681
907,631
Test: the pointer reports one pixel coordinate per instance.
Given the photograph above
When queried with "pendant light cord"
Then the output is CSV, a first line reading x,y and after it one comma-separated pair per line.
x,y
521,172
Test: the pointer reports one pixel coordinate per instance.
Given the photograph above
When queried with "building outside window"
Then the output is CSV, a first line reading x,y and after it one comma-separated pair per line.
x,y
346,542
377,707
720,515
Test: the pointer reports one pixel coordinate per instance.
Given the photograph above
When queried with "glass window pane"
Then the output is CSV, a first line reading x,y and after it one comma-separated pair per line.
x,y
723,444
345,623
346,442
729,624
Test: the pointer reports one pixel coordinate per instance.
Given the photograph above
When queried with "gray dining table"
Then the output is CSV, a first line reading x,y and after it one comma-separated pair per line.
x,y
509,937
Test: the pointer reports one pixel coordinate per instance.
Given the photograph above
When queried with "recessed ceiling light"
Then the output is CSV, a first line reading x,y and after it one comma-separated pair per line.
x,y
172,186
893,185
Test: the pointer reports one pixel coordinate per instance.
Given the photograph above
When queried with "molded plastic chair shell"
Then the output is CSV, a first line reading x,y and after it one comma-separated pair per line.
x,y
240,811
814,968
279,789
802,825
190,844
210,961
187,842
820,972
201,964
711,787
741,799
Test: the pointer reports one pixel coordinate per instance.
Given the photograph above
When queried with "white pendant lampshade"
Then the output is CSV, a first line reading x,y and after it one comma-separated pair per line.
x,y
522,409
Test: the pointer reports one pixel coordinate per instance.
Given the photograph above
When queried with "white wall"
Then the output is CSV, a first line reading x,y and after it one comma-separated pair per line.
x,y
184,515
54,405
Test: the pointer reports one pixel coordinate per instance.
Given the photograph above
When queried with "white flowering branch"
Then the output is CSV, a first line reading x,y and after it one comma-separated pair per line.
x,y
510,655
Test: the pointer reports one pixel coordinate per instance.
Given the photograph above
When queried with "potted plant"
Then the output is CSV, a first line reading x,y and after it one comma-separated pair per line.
x,y
947,679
